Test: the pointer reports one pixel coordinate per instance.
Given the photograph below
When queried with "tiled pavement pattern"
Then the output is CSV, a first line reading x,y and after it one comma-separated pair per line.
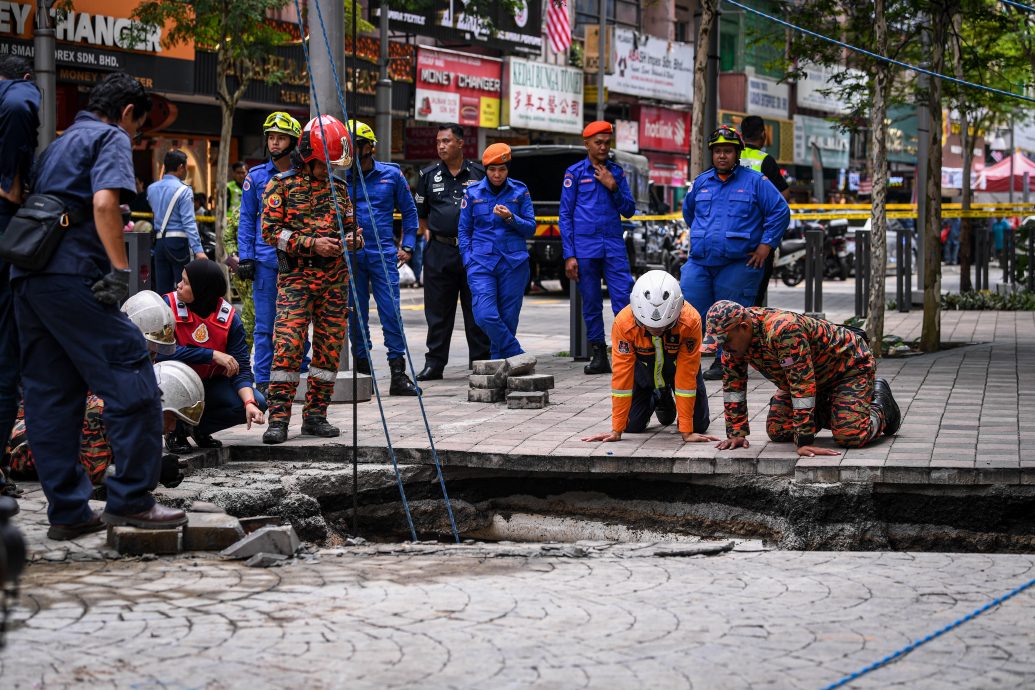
x,y
962,425
516,617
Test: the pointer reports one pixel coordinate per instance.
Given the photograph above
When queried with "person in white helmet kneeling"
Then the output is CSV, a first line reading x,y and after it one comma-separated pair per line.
x,y
656,363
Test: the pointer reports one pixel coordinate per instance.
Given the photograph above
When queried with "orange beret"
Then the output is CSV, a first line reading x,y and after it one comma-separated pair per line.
x,y
496,154
598,127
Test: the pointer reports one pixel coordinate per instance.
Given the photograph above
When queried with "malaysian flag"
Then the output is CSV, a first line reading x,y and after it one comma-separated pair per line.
x,y
558,29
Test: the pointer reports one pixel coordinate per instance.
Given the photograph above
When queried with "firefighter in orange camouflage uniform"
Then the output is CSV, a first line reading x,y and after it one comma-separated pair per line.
x,y
299,219
825,373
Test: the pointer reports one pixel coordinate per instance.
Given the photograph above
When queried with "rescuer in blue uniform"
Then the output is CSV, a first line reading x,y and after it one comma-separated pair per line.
x,y
594,197
72,335
736,217
258,260
376,264
496,217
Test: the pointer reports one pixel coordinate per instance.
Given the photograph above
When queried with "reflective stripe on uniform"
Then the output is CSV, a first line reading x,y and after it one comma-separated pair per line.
x,y
684,394
803,403
283,376
285,235
659,361
322,374
621,394
734,396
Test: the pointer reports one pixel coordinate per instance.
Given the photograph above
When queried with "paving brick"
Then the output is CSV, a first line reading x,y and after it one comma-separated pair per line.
x,y
484,395
532,400
281,540
211,531
485,381
133,541
534,382
487,367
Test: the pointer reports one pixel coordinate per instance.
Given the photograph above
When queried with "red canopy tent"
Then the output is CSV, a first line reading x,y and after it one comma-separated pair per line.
x,y
996,178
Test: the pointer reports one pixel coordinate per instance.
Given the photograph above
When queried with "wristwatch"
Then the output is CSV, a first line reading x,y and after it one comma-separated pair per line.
x,y
408,250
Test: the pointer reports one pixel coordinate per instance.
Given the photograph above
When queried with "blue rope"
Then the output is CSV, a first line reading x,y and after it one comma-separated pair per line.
x,y
875,56
1029,8
358,173
348,260
924,640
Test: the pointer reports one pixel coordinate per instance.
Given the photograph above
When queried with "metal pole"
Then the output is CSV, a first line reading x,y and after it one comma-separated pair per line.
x,y
906,249
602,58
320,63
711,78
1027,188
355,385
1012,162
383,99
814,271
862,272
1031,261
923,116
45,69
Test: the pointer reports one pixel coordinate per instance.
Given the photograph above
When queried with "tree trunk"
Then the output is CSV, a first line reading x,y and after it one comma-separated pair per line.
x,y
966,231
227,105
698,151
930,337
879,174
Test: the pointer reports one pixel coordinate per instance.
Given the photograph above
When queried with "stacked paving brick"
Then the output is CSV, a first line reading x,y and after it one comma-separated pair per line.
x,y
513,379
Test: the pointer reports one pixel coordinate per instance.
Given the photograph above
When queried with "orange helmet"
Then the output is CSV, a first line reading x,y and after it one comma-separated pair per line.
x,y
329,129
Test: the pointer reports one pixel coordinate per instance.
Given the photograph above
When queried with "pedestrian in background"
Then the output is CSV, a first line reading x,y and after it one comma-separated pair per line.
x,y
439,192
177,240
736,217
496,217
73,337
235,187
595,196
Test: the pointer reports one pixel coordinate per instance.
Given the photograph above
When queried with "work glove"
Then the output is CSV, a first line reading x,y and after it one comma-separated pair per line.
x,y
246,269
112,288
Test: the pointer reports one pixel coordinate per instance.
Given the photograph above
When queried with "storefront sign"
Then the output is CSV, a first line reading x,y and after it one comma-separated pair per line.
x,y
543,97
664,130
667,170
457,87
95,39
819,78
651,67
832,142
627,135
520,31
779,134
767,97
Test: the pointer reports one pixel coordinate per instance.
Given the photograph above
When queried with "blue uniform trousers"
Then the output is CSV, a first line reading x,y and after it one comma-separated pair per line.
x,y
496,297
703,286
8,359
223,406
619,285
171,256
264,297
370,273
71,344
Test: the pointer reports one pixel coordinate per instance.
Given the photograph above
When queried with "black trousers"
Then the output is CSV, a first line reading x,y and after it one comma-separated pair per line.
x,y
646,398
445,280
767,274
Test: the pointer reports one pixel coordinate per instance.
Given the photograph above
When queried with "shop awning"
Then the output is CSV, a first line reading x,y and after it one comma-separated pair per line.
x,y
996,178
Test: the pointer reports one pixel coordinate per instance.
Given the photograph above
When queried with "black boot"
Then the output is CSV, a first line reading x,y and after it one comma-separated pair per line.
x,y
275,433
401,383
172,471
363,366
598,364
883,399
176,442
714,372
665,411
319,426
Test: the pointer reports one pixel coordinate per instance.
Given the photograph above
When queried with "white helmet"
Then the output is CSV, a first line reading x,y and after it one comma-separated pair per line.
x,y
656,299
150,313
182,391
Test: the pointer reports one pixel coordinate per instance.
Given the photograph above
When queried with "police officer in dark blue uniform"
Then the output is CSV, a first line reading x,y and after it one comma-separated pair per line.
x,y
73,337
594,197
19,122
438,195
375,267
496,217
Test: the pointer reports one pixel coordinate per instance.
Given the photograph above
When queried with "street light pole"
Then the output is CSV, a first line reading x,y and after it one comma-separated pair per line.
x,y
45,68
320,62
383,99
601,58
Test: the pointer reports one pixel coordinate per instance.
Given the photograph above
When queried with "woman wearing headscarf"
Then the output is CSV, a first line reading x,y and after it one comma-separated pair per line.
x,y
211,339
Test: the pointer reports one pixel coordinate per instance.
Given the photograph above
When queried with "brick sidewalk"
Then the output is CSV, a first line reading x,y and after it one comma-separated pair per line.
x,y
961,423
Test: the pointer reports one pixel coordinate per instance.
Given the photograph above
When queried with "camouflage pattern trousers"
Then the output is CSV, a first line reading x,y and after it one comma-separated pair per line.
x,y
307,296
845,408
244,292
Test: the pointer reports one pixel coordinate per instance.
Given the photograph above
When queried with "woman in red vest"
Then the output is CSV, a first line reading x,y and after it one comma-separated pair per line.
x,y
210,338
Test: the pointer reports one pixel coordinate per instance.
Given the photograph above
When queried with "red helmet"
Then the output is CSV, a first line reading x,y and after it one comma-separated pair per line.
x,y
332,130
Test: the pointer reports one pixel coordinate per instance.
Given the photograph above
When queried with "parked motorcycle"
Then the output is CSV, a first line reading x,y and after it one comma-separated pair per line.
x,y
789,264
838,261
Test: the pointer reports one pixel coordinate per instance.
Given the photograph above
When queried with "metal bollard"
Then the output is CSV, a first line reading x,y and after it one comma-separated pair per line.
x,y
904,269
1031,260
814,271
138,252
579,348
863,256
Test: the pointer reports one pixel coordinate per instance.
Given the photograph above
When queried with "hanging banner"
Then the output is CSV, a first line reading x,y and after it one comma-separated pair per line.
x,y
541,96
627,135
651,67
664,130
819,78
457,87
519,29
767,97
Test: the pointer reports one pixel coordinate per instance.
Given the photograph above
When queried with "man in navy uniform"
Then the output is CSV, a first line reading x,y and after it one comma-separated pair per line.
x,y
594,197
72,335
